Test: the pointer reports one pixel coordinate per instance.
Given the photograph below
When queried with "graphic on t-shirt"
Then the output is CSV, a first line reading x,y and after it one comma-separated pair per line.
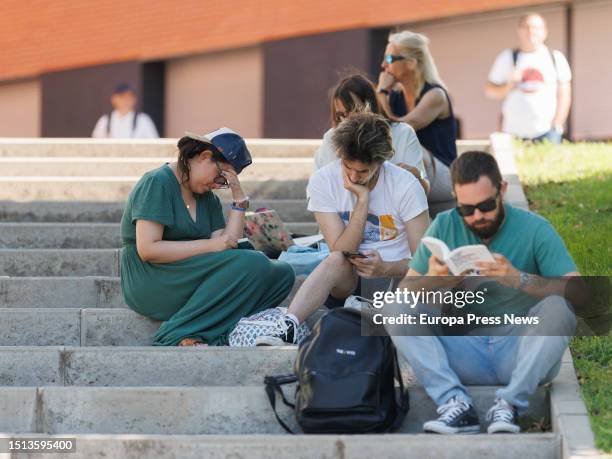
x,y
532,80
377,228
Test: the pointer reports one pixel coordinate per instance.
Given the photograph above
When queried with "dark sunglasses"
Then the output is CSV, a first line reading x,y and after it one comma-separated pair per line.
x,y
466,210
391,58
220,179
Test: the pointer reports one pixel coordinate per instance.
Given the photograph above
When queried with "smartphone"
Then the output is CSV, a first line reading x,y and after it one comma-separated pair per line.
x,y
354,255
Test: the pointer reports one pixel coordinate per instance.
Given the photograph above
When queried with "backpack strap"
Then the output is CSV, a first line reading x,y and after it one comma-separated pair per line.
x,y
404,399
515,53
134,121
273,385
108,124
554,61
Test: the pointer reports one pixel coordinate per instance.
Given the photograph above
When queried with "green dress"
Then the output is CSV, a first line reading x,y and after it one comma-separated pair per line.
x,y
202,296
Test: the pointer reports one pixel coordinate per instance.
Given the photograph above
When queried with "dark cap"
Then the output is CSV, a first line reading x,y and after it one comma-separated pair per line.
x,y
123,87
229,144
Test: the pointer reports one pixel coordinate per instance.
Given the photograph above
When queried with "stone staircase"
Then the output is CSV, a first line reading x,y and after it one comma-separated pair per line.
x,y
76,362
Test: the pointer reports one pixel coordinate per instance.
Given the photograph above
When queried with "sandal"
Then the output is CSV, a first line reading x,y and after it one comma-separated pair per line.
x,y
189,342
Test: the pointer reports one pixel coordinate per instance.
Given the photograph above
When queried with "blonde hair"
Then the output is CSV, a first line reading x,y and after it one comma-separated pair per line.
x,y
416,46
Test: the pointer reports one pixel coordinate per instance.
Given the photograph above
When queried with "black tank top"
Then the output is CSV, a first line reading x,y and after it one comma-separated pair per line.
x,y
440,135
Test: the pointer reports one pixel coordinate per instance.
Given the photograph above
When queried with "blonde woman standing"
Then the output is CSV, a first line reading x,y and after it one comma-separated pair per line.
x,y
412,90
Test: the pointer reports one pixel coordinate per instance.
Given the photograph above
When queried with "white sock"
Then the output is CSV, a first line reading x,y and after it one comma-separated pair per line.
x,y
292,317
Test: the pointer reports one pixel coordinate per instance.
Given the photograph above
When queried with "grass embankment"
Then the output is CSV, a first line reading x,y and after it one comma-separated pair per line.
x,y
571,185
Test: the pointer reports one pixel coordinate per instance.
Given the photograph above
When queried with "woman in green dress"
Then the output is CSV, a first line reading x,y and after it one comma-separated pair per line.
x,y
179,262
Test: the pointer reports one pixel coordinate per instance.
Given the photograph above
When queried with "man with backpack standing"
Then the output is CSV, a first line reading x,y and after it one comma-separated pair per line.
x,y
534,83
124,121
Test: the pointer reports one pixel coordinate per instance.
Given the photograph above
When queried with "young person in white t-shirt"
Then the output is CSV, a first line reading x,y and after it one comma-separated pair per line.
x,y
364,204
124,121
534,82
355,92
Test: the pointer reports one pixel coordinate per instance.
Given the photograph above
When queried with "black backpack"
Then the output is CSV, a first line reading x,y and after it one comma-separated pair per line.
x,y
345,380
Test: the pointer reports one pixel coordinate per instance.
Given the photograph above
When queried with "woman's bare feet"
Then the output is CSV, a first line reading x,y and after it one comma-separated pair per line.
x,y
191,342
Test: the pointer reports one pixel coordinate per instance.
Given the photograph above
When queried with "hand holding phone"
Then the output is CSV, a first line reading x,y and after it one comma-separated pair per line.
x,y
354,254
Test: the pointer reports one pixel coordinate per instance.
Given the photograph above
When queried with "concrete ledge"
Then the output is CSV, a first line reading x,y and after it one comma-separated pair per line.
x,y
569,414
40,327
31,366
118,188
59,262
116,327
144,366
165,148
61,292
182,410
59,235
82,235
19,409
82,166
290,210
394,446
71,292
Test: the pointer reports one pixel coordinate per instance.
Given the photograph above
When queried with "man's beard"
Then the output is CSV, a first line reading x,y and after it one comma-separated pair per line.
x,y
489,230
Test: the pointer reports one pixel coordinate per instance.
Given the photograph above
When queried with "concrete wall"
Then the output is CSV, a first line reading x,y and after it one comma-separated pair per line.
x,y
464,50
73,100
299,74
220,89
592,112
20,109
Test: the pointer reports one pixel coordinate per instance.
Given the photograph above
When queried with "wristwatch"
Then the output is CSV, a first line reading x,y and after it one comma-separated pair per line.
x,y
524,280
241,205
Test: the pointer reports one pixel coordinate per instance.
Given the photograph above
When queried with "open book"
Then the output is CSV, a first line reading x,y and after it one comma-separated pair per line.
x,y
462,260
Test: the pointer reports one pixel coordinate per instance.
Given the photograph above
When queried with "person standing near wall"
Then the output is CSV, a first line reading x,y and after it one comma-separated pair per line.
x,y
124,121
534,83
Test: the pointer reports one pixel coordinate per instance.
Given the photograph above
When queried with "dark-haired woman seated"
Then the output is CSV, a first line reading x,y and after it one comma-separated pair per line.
x,y
179,263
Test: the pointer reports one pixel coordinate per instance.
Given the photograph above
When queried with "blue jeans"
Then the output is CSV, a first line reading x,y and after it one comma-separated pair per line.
x,y
445,364
551,136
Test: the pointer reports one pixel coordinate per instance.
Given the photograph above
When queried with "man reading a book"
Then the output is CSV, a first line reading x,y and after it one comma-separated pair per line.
x,y
371,212
525,248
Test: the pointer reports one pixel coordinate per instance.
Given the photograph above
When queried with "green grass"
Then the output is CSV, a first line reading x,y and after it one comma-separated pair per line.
x,y
571,185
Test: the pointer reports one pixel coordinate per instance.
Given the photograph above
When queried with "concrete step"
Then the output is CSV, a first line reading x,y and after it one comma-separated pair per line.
x,y
82,235
76,326
61,292
59,235
164,148
69,292
290,210
121,366
141,366
118,188
59,262
396,446
19,166
185,410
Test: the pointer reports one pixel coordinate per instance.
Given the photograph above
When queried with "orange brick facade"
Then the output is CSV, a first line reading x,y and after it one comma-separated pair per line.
x,y
38,36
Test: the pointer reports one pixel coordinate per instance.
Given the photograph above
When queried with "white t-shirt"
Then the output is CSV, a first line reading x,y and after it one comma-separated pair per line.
x,y
397,198
529,109
121,127
406,148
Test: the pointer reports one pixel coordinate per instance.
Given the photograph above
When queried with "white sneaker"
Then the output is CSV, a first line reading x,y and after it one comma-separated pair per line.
x,y
502,416
285,333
